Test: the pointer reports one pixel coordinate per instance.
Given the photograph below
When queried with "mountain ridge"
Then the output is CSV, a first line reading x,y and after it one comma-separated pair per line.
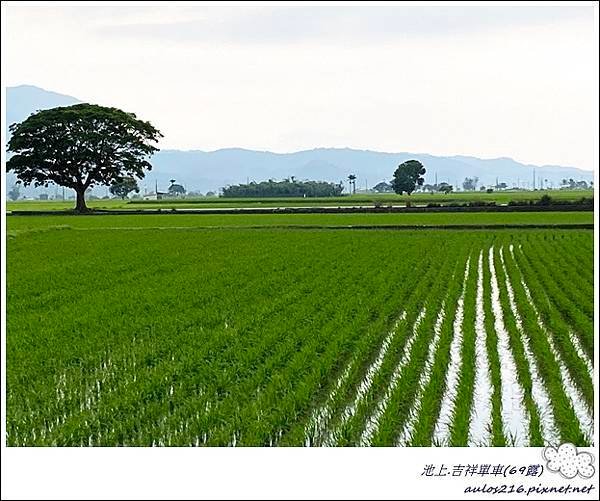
x,y
204,170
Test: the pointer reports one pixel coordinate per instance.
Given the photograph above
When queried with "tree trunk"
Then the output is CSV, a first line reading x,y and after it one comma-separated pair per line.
x,y
80,207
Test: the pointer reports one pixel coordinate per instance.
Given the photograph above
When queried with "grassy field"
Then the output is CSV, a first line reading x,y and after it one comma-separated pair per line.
x,y
214,202
234,336
16,224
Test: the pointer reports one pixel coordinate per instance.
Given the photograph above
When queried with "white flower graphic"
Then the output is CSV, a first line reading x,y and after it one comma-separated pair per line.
x,y
568,462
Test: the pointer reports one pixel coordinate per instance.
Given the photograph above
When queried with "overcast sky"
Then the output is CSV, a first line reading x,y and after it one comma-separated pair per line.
x,y
486,81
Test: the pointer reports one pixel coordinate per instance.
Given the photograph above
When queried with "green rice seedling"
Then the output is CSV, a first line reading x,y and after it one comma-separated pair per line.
x,y
559,330
562,409
518,352
497,433
459,429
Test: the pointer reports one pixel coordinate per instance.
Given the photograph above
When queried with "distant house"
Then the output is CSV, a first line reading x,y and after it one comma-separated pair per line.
x,y
155,196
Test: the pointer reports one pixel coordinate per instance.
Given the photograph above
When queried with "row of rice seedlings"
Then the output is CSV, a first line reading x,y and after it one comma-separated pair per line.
x,y
293,393
159,353
480,419
204,384
533,398
237,407
209,364
576,251
86,385
344,430
316,425
163,390
516,418
430,401
448,399
410,431
520,355
287,394
397,396
242,406
408,426
350,373
578,289
572,337
558,329
539,392
571,286
463,400
254,391
498,438
229,411
353,434
568,310
560,417
312,429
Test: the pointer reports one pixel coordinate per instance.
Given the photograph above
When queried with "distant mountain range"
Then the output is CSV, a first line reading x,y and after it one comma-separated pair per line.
x,y
24,100
210,170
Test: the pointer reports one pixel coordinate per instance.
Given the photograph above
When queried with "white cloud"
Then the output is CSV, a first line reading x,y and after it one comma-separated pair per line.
x,y
509,81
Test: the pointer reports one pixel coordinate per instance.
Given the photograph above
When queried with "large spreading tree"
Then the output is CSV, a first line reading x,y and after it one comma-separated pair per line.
x,y
408,176
81,146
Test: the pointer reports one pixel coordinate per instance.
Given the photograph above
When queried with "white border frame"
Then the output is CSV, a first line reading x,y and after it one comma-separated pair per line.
x,y
259,473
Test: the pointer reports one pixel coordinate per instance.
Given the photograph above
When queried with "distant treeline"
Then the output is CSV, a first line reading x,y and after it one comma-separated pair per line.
x,y
286,188
543,201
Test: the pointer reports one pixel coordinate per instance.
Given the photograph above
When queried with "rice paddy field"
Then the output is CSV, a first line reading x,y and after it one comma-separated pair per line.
x,y
159,330
500,197
18,224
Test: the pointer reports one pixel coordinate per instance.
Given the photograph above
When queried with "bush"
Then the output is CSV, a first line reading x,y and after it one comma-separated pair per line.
x,y
545,200
481,203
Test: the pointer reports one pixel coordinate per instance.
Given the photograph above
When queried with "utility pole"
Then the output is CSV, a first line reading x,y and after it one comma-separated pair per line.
x,y
534,178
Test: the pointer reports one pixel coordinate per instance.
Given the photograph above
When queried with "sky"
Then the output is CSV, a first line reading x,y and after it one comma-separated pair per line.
x,y
488,81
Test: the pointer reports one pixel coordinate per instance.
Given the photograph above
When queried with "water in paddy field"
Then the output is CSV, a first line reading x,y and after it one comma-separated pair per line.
x,y
216,376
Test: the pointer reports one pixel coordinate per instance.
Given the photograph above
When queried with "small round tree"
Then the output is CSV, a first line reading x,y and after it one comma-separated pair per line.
x,y
79,147
408,176
124,186
14,193
176,190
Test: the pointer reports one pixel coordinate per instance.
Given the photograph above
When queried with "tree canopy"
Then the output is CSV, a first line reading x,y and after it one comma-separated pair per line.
x,y
14,193
81,146
285,188
123,187
445,188
470,183
383,187
176,189
408,176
